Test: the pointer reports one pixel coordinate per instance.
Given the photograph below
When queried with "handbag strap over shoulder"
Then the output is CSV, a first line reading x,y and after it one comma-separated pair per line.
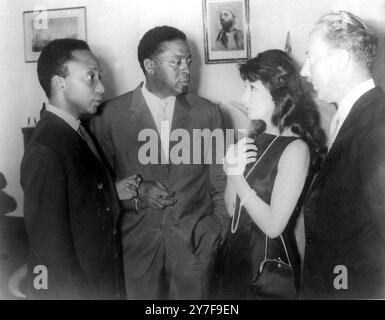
x,y
236,216
284,246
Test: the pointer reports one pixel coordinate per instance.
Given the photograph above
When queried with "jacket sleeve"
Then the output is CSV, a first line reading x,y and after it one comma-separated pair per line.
x,y
217,175
48,225
372,175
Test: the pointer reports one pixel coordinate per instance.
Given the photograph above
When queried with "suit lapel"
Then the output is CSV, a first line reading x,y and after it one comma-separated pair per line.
x,y
142,117
181,116
94,165
181,120
343,136
141,111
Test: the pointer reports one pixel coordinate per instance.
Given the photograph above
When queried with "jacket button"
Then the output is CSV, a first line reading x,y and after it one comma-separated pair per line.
x,y
100,186
115,232
309,240
108,208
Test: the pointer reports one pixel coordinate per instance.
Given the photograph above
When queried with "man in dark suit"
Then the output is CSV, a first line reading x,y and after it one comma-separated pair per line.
x,y
170,241
71,209
345,207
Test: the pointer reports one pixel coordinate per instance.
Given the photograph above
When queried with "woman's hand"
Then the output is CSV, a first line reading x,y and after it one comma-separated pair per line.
x,y
238,156
127,188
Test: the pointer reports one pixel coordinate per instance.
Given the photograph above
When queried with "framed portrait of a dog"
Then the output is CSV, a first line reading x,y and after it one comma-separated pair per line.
x,y
226,30
42,26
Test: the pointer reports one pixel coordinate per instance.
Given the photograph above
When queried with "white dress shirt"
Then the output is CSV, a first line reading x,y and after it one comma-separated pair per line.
x,y
346,105
68,118
162,111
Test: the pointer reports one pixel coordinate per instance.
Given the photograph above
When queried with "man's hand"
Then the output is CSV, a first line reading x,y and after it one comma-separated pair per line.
x,y
155,195
128,188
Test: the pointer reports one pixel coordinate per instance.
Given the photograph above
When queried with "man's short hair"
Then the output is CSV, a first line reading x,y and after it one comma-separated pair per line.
x,y
53,60
151,43
347,31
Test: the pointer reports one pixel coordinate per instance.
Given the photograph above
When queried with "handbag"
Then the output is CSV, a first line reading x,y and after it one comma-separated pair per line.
x,y
275,277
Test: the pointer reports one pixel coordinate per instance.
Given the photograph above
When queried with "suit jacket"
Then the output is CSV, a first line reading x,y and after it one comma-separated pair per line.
x,y
71,213
345,209
199,213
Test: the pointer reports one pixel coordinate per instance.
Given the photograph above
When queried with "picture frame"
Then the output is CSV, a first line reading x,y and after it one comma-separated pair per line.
x,y
42,26
226,26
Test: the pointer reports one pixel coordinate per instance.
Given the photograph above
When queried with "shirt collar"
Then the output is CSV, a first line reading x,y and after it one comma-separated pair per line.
x,y
350,99
68,118
153,99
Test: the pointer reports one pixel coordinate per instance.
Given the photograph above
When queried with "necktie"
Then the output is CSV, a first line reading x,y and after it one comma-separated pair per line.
x,y
333,129
87,139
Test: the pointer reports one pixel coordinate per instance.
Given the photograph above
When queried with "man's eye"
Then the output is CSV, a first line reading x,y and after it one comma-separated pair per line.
x,y
91,77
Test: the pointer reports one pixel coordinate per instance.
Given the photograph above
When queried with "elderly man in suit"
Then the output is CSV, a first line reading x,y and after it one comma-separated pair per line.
x,y
345,207
71,208
171,239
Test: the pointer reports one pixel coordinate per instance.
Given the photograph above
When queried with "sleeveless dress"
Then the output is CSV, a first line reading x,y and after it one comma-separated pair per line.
x,y
243,251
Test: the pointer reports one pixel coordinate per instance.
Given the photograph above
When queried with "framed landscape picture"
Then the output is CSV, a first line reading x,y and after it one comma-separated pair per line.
x,y
226,30
41,27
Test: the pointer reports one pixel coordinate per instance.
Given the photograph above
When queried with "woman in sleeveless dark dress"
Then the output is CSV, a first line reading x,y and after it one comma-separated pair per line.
x,y
273,167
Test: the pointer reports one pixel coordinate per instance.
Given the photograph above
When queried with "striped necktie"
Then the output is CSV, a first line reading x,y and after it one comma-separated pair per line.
x,y
87,139
333,129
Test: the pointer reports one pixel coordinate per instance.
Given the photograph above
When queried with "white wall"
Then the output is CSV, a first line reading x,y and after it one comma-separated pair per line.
x,y
114,30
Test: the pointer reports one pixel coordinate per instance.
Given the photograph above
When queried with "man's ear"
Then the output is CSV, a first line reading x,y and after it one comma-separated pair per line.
x,y
57,83
149,65
343,60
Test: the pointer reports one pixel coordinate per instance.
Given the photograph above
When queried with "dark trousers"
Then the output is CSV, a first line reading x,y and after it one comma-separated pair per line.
x,y
176,272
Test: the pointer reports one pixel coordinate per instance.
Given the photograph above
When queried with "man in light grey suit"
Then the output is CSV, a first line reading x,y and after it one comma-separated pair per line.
x,y
172,232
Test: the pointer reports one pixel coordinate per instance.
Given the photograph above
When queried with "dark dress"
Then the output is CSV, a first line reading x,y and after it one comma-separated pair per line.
x,y
243,251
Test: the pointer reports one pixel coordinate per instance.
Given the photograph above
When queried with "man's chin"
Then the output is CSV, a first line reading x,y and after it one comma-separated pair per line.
x,y
183,90
89,113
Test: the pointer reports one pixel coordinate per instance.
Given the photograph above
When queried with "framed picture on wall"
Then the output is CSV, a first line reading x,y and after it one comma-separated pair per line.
x,y
226,30
42,26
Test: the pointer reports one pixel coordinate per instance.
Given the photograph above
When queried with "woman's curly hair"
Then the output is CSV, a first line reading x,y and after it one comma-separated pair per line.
x,y
293,107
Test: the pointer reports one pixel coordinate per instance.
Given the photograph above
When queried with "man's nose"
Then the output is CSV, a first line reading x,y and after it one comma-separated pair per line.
x,y
184,67
99,88
305,71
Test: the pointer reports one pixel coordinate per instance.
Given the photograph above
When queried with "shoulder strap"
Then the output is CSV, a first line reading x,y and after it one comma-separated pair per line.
x,y
284,246
236,217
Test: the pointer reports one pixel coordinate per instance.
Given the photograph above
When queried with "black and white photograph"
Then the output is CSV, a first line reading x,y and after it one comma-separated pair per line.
x,y
192,157
227,35
41,27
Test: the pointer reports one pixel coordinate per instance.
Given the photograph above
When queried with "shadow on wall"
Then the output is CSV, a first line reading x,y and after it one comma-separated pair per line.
x,y
195,70
379,61
109,79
